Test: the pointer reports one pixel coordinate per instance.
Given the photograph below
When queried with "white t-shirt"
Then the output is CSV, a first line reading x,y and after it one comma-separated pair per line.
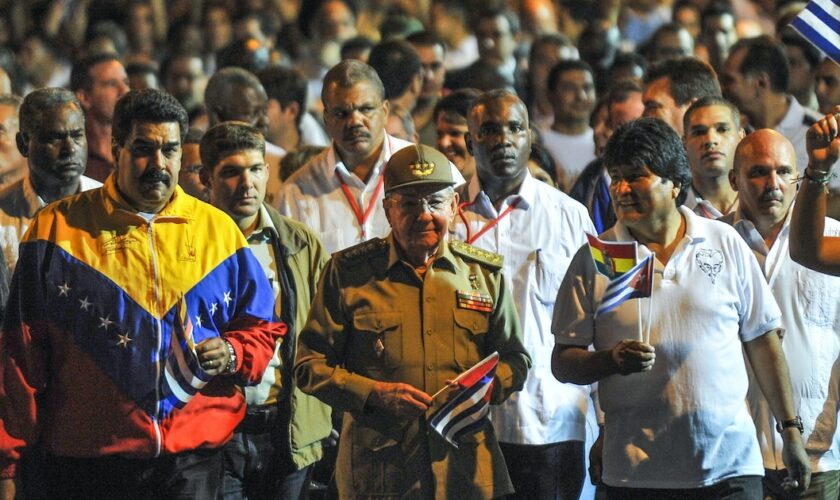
x,y
685,423
571,152
537,240
810,305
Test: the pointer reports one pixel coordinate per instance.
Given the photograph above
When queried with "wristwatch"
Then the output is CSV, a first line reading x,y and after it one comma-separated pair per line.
x,y
794,422
231,367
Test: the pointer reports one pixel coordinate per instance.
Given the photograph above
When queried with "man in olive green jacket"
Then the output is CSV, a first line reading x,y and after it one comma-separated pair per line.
x,y
393,321
271,453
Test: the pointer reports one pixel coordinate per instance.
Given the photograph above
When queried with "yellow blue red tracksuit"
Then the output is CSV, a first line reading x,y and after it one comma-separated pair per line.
x,y
96,350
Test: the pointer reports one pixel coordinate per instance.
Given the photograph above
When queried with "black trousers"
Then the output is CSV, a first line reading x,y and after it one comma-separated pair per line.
x,y
736,488
185,476
545,472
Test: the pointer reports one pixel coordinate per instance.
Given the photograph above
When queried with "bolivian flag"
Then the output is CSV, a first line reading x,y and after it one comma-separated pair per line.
x,y
612,259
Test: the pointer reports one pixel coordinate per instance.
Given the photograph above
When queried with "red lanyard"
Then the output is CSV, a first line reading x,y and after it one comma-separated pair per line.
x,y
472,237
361,217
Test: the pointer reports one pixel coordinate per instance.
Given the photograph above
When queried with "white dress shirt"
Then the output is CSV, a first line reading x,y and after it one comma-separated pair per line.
x,y
313,196
537,239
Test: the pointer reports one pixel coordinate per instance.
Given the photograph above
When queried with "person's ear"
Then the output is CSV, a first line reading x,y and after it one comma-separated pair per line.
x,y
733,179
205,178
22,144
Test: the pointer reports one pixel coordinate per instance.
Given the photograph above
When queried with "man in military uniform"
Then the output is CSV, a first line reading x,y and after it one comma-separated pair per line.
x,y
387,329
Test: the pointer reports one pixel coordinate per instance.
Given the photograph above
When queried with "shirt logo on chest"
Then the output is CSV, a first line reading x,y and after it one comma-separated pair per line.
x,y
710,261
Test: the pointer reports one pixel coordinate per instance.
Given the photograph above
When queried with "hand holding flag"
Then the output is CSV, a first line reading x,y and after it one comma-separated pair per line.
x,y
635,283
465,412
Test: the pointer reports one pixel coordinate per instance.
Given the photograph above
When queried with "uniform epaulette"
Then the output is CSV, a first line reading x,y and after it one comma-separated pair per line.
x,y
466,250
364,249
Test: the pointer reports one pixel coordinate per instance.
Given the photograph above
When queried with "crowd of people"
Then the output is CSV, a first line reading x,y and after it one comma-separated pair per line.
x,y
250,246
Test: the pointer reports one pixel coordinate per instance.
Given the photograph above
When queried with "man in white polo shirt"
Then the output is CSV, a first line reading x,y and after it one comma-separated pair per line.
x,y
338,193
537,229
765,176
675,420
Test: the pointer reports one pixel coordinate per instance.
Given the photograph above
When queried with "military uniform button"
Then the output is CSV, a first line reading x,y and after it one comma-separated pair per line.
x,y
378,324
430,368
428,331
475,325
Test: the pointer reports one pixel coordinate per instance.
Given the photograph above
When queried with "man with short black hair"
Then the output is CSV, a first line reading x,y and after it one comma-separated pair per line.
x,y
236,94
190,176
432,52
672,85
52,139
537,229
497,30
398,66
712,132
184,77
137,313
451,127
273,449
571,91
755,78
338,193
99,81
672,382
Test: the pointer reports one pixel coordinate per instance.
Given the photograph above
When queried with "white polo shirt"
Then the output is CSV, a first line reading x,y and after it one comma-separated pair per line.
x,y
538,239
810,304
684,424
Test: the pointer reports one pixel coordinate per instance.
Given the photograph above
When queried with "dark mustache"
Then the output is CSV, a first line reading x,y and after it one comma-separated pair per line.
x,y
155,176
356,132
772,196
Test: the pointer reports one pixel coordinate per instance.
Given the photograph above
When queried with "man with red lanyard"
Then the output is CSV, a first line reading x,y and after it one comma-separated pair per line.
x,y
338,193
537,229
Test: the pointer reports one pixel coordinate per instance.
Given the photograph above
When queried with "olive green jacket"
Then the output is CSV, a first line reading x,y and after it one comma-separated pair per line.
x,y
309,419
374,319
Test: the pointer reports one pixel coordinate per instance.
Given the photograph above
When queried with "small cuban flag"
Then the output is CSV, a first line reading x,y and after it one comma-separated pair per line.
x,y
634,284
465,413
819,23
612,258
183,374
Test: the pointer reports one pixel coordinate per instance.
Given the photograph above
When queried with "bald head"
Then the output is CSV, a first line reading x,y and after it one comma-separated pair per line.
x,y
764,143
764,175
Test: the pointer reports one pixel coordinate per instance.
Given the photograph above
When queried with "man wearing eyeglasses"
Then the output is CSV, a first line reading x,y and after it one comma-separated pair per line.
x,y
393,321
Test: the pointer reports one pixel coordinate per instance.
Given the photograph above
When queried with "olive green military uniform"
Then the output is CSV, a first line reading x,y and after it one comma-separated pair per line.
x,y
375,319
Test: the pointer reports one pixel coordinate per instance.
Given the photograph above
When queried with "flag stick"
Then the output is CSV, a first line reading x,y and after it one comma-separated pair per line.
x,y
438,393
639,319
650,300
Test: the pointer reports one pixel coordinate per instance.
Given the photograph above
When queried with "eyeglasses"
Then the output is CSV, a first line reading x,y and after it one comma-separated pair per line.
x,y
432,203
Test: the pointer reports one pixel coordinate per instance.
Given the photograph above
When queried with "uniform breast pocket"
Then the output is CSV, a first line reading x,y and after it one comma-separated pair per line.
x,y
378,339
470,329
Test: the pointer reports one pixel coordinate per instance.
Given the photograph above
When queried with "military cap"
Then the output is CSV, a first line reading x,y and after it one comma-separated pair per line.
x,y
415,166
